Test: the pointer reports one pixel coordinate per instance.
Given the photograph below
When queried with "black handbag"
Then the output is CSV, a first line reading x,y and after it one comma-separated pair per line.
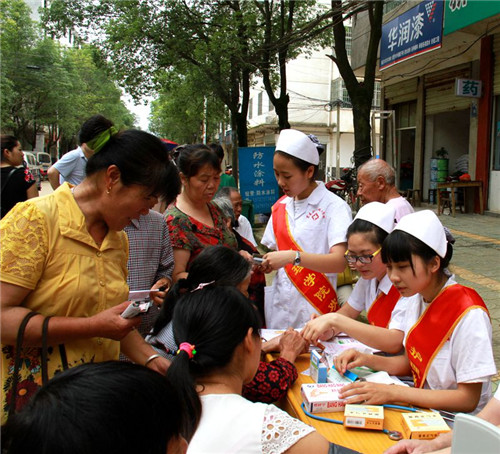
x,y
43,359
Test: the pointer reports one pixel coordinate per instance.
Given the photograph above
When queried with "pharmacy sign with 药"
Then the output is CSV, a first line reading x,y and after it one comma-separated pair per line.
x,y
468,88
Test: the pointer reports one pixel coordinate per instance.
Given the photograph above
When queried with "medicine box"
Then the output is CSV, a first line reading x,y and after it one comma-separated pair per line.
x,y
322,397
364,416
318,370
423,425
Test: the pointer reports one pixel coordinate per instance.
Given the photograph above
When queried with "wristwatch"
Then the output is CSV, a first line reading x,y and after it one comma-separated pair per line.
x,y
297,258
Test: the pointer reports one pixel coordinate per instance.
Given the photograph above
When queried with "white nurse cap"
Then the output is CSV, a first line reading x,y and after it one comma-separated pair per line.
x,y
296,143
425,226
377,213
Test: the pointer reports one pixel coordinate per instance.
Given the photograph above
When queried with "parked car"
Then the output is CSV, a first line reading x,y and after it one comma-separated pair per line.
x,y
44,162
33,166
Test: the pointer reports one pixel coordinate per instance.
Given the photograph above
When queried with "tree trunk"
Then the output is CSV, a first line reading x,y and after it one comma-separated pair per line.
x,y
362,132
281,107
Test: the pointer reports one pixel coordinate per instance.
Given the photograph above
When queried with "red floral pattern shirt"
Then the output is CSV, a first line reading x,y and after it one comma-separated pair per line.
x,y
188,233
271,382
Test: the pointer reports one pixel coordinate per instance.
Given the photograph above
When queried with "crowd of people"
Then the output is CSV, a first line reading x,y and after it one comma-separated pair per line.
x,y
191,366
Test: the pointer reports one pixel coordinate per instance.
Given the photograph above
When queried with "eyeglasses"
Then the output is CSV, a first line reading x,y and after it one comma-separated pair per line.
x,y
363,259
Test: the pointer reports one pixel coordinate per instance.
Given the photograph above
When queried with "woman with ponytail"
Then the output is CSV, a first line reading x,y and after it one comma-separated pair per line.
x,y
217,329
448,345
223,266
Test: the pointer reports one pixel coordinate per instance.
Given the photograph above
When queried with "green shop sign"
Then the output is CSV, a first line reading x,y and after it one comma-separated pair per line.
x,y
461,13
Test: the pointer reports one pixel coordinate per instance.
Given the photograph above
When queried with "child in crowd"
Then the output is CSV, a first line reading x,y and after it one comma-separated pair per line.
x,y
374,292
448,346
307,233
221,265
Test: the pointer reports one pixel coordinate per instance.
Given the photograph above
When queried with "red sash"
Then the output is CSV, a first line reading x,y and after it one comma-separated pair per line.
x,y
380,311
436,325
314,286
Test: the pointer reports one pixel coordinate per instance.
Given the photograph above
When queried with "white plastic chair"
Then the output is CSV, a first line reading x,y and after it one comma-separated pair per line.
x,y
474,435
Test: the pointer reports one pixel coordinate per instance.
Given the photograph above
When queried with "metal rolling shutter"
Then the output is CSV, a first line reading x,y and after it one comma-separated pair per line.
x,y
440,91
402,92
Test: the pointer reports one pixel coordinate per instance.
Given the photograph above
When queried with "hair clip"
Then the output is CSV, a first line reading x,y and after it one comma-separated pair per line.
x,y
98,142
203,285
188,348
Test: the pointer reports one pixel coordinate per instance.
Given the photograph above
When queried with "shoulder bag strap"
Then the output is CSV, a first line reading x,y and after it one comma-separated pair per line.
x,y
17,360
64,358
45,372
4,182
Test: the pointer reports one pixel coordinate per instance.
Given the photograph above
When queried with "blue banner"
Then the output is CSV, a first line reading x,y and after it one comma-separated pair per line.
x,y
257,181
414,32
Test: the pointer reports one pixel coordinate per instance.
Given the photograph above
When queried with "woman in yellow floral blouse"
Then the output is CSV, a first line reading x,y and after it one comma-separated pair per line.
x,y
64,255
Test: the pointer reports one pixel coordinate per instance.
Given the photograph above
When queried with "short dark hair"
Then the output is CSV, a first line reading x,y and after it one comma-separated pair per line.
x,y
376,235
220,263
113,407
92,127
399,246
7,142
300,163
142,159
216,320
192,158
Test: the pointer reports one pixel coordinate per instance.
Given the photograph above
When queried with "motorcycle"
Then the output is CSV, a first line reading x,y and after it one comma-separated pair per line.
x,y
345,187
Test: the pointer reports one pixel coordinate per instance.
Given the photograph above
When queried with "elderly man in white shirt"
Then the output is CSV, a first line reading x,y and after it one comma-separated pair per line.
x,y
376,183
242,224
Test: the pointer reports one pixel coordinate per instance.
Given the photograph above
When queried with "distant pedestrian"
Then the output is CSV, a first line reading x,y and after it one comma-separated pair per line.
x,y
71,167
225,178
377,183
18,183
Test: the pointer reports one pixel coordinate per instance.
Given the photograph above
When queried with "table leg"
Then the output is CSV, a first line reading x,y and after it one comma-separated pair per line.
x,y
453,201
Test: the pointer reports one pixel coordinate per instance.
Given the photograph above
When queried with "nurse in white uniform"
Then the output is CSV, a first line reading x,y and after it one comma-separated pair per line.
x,y
307,231
448,344
373,293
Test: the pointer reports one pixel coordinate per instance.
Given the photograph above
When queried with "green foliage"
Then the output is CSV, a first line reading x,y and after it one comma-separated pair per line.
x,y
225,41
178,113
46,87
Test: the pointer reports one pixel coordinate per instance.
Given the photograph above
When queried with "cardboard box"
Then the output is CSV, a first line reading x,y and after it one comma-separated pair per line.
x,y
364,416
322,397
423,425
318,370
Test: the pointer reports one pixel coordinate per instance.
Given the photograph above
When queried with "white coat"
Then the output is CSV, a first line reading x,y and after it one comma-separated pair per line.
x,y
320,223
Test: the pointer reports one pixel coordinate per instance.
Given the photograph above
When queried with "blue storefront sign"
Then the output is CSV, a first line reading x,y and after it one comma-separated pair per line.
x,y
414,32
257,181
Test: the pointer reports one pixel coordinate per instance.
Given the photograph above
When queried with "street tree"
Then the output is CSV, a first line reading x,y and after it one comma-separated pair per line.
x,y
183,112
48,88
360,91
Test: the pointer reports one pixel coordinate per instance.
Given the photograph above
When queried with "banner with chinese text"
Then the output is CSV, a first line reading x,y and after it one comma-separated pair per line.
x,y
461,13
257,181
414,32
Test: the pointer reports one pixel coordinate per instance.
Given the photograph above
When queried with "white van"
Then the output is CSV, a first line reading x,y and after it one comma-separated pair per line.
x,y
44,162
32,164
